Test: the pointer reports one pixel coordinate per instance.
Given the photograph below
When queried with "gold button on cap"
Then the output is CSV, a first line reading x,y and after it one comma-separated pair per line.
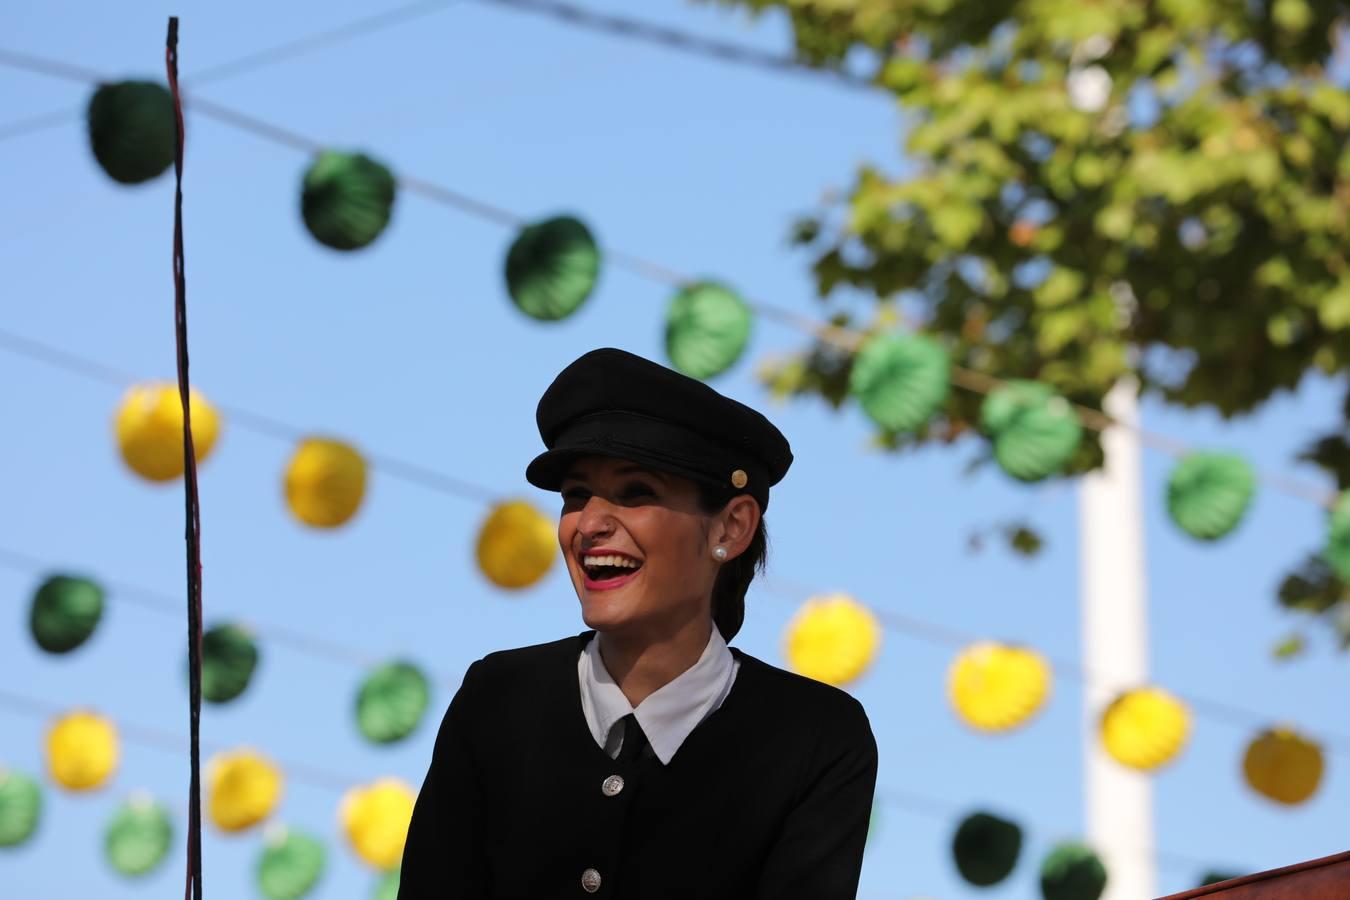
x,y
739,478
590,880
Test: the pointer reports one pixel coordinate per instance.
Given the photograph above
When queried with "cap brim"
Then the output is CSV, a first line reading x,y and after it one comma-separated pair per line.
x,y
548,469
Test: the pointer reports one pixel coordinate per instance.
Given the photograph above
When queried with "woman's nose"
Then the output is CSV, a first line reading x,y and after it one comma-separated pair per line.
x,y
596,517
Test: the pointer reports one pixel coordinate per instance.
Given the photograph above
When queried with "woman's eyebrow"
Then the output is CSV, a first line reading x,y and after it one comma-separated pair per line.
x,y
639,470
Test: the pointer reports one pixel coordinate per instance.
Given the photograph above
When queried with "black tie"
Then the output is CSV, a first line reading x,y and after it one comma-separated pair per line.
x,y
633,739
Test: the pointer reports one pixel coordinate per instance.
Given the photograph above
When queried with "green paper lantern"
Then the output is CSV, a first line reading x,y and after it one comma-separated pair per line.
x,y
131,130
1208,493
707,328
1035,431
290,865
1337,551
1072,872
551,268
138,837
985,848
229,658
900,382
65,612
391,702
20,807
1213,877
346,200
387,887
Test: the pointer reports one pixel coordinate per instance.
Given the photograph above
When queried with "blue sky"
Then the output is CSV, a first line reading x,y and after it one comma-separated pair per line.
x,y
411,349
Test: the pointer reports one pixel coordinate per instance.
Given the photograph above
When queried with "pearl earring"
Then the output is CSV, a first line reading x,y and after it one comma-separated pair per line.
x,y
720,554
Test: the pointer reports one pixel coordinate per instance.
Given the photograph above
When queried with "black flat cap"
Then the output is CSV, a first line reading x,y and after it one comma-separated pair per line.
x,y
613,403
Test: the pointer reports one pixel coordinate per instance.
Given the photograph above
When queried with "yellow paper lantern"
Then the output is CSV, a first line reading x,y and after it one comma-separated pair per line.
x,y
516,545
149,426
244,787
997,687
325,482
82,750
1283,765
1145,728
832,638
375,818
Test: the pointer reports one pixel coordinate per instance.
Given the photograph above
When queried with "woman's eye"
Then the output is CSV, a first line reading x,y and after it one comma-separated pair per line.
x,y
574,495
637,491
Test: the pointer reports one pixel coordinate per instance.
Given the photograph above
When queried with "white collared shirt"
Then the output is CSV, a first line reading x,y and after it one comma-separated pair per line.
x,y
667,715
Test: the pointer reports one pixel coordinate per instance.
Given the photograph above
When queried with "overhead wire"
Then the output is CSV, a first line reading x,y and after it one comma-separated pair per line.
x,y
681,41
249,62
158,738
259,423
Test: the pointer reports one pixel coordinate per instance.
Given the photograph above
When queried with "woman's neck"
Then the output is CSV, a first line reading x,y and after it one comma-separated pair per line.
x,y
641,666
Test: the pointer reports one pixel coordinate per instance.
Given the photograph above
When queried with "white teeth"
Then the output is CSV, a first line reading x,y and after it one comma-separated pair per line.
x,y
620,561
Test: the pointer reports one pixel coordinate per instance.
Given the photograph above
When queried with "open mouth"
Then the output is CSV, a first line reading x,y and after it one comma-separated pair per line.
x,y
608,569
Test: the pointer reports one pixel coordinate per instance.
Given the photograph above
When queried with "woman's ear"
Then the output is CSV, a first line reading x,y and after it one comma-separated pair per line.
x,y
736,524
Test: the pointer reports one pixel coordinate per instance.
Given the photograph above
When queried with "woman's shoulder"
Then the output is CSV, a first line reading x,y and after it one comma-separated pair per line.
x,y
533,662
780,690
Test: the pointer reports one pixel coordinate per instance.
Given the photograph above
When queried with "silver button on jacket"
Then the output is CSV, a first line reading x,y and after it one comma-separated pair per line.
x,y
590,880
613,784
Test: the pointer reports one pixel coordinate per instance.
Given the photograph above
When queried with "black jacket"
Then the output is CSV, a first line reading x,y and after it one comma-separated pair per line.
x,y
767,799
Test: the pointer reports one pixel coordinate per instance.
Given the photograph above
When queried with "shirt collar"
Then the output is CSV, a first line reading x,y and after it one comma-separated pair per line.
x,y
667,715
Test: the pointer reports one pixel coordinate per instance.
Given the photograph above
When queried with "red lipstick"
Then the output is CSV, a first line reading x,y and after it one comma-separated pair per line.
x,y
607,584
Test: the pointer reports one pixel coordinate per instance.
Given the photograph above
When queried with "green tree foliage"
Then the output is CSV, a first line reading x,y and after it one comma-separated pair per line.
x,y
1096,188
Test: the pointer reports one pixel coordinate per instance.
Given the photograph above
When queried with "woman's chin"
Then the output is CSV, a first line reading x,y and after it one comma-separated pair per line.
x,y
604,610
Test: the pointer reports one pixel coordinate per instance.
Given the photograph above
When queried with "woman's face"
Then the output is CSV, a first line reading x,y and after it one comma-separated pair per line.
x,y
638,546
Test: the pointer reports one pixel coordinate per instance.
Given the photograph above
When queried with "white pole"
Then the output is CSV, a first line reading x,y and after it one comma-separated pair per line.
x,y
1115,648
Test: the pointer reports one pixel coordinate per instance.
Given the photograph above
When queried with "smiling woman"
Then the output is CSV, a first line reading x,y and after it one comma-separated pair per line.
x,y
644,757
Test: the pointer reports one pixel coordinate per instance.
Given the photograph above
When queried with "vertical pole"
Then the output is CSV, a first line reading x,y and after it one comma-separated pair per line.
x,y
1115,648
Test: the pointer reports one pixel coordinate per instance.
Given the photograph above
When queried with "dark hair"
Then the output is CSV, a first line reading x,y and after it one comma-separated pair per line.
x,y
728,596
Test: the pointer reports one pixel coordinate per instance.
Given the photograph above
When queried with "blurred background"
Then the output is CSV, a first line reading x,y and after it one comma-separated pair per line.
x,y
931,243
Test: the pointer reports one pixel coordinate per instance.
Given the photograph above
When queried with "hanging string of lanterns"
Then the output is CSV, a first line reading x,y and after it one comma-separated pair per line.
x,y
244,790
992,687
551,268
